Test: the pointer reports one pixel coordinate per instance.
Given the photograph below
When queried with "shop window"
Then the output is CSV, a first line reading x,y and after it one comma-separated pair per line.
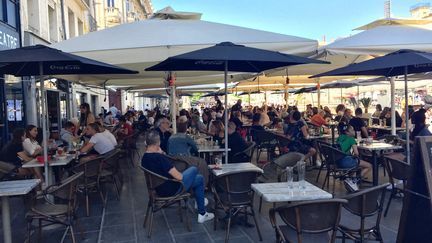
x,y
11,13
111,4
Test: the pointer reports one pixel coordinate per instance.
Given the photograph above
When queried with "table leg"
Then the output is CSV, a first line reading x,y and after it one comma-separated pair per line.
x,y
333,134
374,168
7,234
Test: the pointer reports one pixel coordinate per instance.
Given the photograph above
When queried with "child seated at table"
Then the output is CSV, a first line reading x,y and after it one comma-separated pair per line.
x,y
348,145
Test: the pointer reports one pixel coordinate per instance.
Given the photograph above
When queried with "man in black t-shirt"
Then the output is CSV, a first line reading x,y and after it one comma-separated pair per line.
x,y
358,123
237,144
155,161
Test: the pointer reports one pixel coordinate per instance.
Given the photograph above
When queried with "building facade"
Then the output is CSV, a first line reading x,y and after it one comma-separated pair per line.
x,y
110,13
11,89
46,22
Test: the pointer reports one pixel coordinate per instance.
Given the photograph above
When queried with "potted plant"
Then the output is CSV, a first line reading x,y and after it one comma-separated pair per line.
x,y
366,102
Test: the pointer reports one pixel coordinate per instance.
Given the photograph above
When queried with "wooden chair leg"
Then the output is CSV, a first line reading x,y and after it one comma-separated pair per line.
x,y
228,227
72,234
151,224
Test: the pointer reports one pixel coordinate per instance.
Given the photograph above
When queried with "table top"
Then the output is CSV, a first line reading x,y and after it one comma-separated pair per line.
x,y
210,149
62,161
378,146
234,167
17,187
313,137
386,128
280,192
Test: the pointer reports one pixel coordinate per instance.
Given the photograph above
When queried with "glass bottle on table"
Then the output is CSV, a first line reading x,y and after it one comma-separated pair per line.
x,y
301,170
290,176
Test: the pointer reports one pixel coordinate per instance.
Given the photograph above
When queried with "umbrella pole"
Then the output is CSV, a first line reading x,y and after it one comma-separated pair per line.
x,y
173,109
319,92
407,117
44,123
341,97
358,96
393,108
226,111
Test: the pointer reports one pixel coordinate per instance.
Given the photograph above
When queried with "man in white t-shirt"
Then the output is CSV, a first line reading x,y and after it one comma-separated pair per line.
x,y
100,141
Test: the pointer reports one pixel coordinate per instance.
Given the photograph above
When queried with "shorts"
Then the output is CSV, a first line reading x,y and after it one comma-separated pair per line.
x,y
347,163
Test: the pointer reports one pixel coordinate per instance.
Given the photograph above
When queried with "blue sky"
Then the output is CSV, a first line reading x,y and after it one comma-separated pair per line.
x,y
306,18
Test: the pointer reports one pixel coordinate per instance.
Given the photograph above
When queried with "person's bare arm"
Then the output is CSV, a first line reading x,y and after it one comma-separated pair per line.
x,y
87,147
176,174
23,155
305,131
355,150
364,131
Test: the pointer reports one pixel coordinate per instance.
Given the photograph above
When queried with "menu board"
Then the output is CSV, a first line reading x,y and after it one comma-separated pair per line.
x,y
426,154
416,217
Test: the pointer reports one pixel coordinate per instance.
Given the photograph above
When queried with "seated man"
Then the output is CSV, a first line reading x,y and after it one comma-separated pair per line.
x,y
358,123
102,141
237,144
180,143
155,161
124,129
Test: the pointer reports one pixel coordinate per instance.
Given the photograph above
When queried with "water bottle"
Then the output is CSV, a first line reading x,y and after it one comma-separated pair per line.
x,y
301,170
290,176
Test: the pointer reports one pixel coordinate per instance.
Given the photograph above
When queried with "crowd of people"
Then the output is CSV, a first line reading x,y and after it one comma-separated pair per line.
x,y
101,134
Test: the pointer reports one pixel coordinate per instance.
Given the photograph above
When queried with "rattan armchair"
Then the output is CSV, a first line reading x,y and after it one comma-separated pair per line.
x,y
156,202
313,217
56,205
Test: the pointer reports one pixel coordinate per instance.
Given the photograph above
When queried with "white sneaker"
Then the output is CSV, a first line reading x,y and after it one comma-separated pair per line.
x,y
351,185
205,203
206,217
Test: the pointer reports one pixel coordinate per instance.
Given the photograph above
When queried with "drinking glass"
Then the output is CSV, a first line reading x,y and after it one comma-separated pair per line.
x,y
59,151
290,176
218,162
301,170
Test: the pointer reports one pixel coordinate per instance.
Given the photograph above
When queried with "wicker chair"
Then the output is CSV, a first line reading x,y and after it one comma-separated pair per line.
x,y
7,171
234,195
331,156
245,155
312,217
364,204
110,171
397,170
265,141
90,181
61,211
156,202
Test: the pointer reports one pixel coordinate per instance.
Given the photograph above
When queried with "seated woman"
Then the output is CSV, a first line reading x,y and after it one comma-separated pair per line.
x,y
14,153
102,141
217,130
180,143
123,129
297,131
30,144
348,145
155,161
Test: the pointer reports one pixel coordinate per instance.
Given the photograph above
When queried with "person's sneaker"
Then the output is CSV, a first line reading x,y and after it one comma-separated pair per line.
x,y
205,203
350,185
206,217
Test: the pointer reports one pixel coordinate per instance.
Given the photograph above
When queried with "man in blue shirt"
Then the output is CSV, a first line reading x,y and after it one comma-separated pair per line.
x,y
155,161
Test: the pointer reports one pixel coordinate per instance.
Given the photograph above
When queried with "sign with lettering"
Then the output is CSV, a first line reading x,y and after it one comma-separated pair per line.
x,y
9,39
416,218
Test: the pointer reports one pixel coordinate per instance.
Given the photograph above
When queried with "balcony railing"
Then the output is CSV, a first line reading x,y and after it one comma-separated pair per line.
x,y
113,15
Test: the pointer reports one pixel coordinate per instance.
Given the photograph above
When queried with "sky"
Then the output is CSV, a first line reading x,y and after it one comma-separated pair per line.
x,y
312,19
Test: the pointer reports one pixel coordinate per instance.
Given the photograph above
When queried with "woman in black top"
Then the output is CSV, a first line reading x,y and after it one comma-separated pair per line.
x,y
13,153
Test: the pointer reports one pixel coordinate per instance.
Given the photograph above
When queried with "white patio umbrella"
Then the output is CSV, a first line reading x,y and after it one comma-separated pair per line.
x,y
142,44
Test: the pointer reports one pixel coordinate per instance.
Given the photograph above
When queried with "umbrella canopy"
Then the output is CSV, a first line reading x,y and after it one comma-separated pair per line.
x,y
151,41
247,93
290,91
402,62
185,94
42,60
376,41
218,93
393,64
153,96
306,90
26,61
238,58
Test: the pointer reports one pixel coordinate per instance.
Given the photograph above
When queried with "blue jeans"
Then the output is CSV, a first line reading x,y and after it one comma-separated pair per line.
x,y
193,180
348,162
